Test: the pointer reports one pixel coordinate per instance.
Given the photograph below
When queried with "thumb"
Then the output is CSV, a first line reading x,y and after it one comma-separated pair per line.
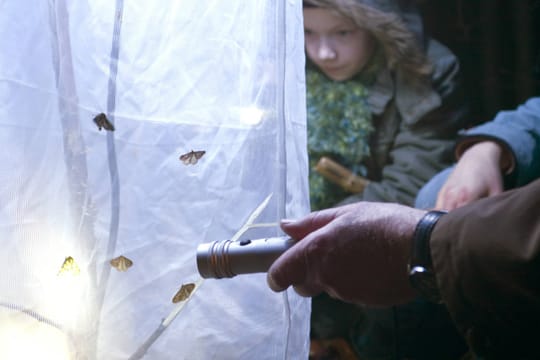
x,y
495,187
291,267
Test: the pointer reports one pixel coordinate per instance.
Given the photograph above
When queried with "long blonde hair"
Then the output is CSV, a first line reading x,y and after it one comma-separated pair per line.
x,y
399,44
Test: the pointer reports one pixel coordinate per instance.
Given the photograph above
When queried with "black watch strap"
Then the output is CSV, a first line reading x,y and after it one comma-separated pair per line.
x,y
421,251
421,272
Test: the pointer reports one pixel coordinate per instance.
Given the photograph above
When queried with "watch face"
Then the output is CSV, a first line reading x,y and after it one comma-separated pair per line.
x,y
425,283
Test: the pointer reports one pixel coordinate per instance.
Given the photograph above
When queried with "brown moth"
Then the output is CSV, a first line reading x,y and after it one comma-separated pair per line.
x,y
183,293
69,266
192,157
102,122
121,263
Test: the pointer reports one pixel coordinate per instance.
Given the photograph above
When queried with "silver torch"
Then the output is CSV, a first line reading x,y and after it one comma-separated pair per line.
x,y
226,258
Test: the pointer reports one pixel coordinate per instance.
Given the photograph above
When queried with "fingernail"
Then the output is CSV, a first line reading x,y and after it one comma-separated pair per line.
x,y
287,221
271,283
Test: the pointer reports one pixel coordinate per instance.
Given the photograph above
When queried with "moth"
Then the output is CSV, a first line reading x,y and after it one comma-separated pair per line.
x,y
102,122
183,293
121,263
69,266
192,157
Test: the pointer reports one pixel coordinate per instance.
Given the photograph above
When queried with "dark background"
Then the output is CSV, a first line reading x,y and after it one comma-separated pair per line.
x,y
498,45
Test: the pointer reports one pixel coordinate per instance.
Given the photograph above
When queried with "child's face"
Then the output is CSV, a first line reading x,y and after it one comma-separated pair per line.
x,y
335,44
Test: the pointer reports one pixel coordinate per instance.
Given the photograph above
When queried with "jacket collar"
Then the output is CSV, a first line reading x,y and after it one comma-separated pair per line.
x,y
413,100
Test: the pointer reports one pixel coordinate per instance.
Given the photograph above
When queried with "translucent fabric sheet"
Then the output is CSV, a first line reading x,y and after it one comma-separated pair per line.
x,y
220,77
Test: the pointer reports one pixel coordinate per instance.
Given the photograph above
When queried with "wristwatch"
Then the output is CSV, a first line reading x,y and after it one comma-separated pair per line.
x,y
421,272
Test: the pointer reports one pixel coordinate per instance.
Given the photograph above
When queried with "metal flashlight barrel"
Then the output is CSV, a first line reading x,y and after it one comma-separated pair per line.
x,y
226,258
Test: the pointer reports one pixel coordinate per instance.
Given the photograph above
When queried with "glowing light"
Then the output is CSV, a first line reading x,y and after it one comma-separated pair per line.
x,y
251,115
26,338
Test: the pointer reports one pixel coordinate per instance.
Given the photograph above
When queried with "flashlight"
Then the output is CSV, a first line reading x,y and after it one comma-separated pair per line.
x,y
226,258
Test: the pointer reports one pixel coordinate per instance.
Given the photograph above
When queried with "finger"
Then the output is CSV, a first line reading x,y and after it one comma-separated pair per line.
x,y
298,229
495,188
460,198
307,290
439,204
443,200
287,270
453,197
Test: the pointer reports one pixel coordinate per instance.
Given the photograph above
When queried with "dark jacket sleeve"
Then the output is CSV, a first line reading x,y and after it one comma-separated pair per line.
x,y
487,260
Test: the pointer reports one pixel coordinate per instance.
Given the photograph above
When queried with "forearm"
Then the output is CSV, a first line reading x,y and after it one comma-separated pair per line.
x,y
485,256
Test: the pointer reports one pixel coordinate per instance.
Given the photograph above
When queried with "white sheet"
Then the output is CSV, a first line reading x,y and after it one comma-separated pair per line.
x,y
225,77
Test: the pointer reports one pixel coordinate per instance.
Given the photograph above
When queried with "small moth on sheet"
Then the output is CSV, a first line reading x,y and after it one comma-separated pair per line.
x,y
69,266
183,293
192,157
121,263
102,122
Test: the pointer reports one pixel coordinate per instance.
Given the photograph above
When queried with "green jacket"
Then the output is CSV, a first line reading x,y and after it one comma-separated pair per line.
x,y
415,129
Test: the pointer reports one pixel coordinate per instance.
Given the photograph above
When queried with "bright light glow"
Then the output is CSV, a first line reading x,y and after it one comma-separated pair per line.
x,y
23,337
251,115
48,309
66,303
60,298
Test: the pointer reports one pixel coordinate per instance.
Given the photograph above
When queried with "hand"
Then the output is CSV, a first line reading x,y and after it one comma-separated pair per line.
x,y
476,175
357,253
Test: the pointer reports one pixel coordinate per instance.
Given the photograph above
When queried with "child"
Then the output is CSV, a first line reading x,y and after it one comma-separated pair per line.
x,y
378,104
383,102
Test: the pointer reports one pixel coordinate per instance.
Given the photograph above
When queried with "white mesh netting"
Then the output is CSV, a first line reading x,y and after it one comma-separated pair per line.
x,y
224,77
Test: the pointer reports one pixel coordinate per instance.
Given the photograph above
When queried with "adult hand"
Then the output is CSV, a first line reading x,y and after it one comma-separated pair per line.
x,y
357,253
476,175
